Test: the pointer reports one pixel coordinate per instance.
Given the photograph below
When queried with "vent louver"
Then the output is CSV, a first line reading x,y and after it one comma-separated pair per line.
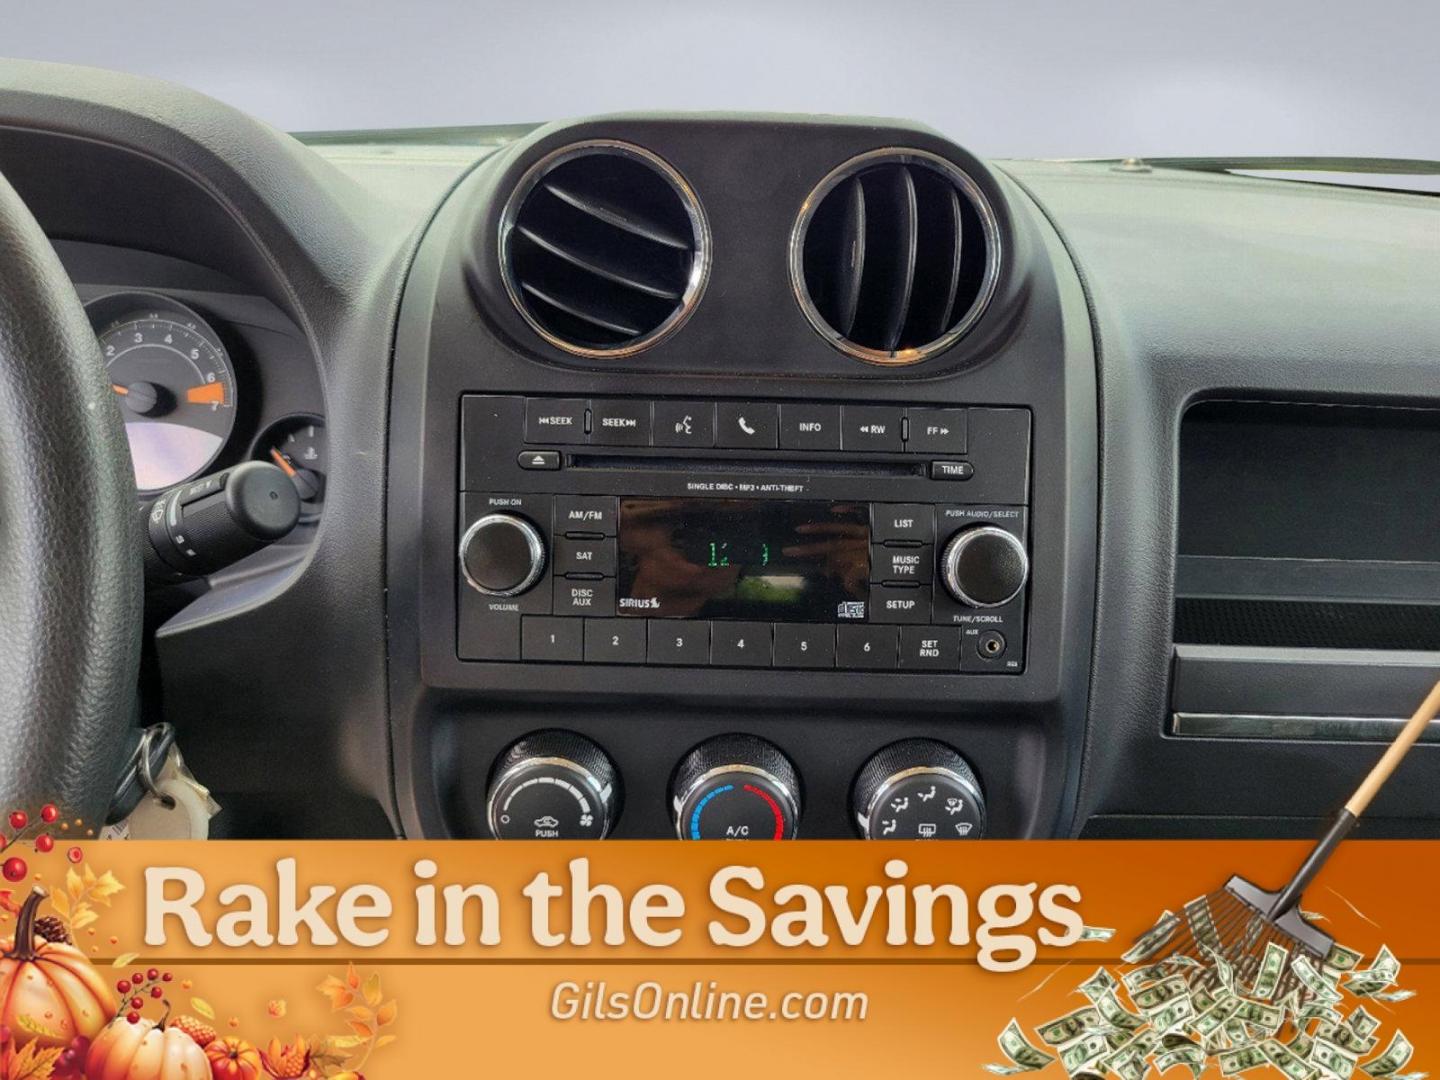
x,y
604,249
894,256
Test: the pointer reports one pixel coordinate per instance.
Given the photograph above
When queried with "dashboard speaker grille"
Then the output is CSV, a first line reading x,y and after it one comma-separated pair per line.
x,y
604,248
895,255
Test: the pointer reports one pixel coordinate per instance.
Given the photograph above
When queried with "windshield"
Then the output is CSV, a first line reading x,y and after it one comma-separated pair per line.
x,y
1029,78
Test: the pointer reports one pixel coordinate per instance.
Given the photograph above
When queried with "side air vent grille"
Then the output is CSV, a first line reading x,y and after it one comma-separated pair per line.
x,y
894,256
604,249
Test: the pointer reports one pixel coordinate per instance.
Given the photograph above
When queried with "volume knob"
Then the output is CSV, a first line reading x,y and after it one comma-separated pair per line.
x,y
985,566
502,555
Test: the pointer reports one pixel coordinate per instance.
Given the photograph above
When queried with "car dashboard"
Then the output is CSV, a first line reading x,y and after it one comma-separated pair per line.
x,y
722,476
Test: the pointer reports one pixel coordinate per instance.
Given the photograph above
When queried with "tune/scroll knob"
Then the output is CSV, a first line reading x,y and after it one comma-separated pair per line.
x,y
735,787
553,785
502,555
985,566
918,789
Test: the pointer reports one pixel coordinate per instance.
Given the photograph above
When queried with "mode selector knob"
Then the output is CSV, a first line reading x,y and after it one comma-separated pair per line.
x,y
735,787
984,566
918,789
502,555
553,785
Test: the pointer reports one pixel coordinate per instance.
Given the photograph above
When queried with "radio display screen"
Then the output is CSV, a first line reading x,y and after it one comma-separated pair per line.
x,y
762,559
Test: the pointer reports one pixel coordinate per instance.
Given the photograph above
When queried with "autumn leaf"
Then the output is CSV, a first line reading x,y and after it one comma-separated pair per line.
x,y
386,1013
365,1031
203,1007
342,1043
88,876
33,1063
352,977
28,1023
339,994
384,1040
372,990
61,903
73,884
124,959
105,888
83,917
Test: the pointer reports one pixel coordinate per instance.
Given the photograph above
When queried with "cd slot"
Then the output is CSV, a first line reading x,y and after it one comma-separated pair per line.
x,y
749,465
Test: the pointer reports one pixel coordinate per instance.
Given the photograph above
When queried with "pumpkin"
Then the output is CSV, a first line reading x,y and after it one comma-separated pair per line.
x,y
51,985
233,1059
145,1051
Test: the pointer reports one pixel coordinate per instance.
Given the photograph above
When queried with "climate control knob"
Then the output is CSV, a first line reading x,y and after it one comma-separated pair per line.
x,y
502,555
552,785
984,566
918,789
735,787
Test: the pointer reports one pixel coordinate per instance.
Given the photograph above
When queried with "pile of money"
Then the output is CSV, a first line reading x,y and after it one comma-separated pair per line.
x,y
1199,1011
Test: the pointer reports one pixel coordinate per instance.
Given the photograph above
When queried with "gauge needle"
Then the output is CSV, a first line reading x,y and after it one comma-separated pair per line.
x,y
121,390
283,462
206,394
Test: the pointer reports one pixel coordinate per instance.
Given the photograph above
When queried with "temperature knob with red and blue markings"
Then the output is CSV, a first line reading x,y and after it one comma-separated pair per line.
x,y
735,787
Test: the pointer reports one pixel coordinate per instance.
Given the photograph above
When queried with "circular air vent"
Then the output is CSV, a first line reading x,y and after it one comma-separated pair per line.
x,y
895,255
604,248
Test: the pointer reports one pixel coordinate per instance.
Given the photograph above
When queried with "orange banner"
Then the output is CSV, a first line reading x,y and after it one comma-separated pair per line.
x,y
450,959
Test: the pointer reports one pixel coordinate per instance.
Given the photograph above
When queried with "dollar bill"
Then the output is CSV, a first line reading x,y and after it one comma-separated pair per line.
x,y
1097,933
1302,1044
1147,973
1391,996
1267,1017
1162,993
1101,983
1272,966
1396,1056
1084,1051
1023,1057
1223,971
1333,1059
1320,989
1287,1061
1173,1014
1116,1015
1213,1019
1361,1022
1346,1038
1154,939
1384,969
1342,959
1191,1056
1241,1060
1071,1026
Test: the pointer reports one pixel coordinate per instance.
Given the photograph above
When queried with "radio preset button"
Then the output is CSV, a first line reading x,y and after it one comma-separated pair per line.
x,y
575,596
677,642
740,644
899,604
543,637
937,431
746,425
614,641
585,556
905,523
930,647
809,427
904,564
555,420
684,423
585,514
804,645
620,423
872,427
872,647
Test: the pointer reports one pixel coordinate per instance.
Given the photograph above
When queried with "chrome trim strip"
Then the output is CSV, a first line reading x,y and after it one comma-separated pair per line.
x,y
993,250
699,225
1274,728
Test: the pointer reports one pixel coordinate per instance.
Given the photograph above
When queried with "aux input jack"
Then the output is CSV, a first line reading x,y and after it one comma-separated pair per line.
x,y
991,645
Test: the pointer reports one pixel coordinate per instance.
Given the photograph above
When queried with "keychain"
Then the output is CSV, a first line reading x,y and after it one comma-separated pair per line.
x,y
159,798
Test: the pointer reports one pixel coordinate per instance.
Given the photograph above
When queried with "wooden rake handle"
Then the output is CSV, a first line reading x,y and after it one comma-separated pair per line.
x,y
1345,820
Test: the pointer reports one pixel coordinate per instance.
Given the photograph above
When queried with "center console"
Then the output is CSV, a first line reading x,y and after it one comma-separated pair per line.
x,y
742,487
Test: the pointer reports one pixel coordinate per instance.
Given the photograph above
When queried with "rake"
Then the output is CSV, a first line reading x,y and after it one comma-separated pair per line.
x,y
1238,922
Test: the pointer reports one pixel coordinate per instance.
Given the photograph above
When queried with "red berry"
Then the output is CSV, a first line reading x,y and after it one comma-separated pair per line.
x,y
15,869
19,819
49,813
133,1017
44,844
157,993
137,1003
138,978
123,986
75,854
68,1058
152,974
166,977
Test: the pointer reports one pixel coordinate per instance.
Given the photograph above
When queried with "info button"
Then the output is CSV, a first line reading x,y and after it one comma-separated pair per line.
x,y
810,427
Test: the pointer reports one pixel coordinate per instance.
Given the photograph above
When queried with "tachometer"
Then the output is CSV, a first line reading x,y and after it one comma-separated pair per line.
x,y
173,379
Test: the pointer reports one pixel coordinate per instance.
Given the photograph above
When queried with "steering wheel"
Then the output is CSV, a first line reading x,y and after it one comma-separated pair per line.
x,y
71,588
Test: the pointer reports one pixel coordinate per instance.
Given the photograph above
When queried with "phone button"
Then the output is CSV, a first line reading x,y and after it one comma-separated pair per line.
x,y
744,425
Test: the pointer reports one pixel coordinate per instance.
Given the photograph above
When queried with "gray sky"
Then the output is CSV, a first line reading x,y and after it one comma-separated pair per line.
x,y
1026,77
